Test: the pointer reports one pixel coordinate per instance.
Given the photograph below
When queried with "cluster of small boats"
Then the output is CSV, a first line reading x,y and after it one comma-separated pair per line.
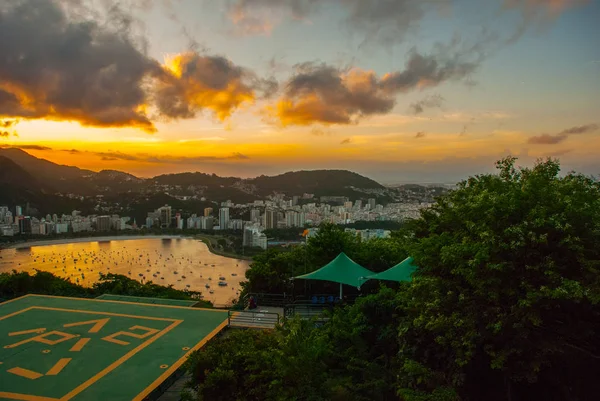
x,y
84,265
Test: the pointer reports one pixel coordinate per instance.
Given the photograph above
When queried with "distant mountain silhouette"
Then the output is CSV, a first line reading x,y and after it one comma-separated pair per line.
x,y
43,175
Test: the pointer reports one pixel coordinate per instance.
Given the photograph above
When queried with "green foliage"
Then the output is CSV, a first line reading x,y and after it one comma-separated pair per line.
x,y
349,359
16,284
272,269
123,285
504,306
508,290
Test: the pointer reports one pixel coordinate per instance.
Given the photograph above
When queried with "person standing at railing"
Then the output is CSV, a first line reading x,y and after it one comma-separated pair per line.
x,y
252,302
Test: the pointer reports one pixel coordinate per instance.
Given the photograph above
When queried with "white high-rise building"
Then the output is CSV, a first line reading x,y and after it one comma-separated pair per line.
x,y
255,215
224,218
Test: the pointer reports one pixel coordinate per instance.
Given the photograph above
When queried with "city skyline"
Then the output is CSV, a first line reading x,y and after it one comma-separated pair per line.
x,y
403,91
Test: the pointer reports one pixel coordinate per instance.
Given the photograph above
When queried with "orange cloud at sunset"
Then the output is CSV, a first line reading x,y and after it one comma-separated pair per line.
x,y
320,93
195,82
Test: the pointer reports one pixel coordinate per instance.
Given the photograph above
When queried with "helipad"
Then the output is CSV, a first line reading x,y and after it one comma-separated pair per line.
x,y
55,348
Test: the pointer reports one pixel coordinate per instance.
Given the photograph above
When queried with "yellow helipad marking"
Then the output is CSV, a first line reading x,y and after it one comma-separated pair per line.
x,y
169,369
60,365
26,373
25,397
112,338
36,331
79,344
159,380
42,339
98,324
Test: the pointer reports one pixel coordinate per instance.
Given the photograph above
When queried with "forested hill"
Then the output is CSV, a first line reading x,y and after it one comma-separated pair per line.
x,y
69,179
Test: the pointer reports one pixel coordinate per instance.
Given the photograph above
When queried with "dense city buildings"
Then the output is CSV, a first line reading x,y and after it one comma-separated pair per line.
x,y
251,219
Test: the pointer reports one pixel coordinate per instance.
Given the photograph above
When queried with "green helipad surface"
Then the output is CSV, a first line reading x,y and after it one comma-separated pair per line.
x,y
147,300
55,348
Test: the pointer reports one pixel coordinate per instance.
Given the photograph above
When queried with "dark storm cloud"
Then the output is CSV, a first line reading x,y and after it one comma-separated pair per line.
x,y
319,93
548,139
428,102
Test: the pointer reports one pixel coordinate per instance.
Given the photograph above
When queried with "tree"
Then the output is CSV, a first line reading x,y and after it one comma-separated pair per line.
x,y
505,305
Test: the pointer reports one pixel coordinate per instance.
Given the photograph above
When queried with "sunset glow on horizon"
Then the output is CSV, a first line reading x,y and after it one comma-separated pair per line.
x,y
244,88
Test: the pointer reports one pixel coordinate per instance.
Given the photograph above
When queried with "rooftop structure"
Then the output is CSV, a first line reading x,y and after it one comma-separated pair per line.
x,y
55,348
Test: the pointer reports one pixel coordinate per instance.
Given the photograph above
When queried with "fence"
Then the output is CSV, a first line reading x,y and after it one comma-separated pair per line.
x,y
253,319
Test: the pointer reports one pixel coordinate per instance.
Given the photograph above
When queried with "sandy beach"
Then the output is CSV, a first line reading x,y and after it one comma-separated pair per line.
x,y
64,241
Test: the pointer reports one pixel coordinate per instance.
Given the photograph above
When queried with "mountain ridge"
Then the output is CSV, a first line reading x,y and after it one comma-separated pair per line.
x,y
71,179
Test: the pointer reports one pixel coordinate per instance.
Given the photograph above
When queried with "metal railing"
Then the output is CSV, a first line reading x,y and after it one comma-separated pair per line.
x,y
271,299
253,319
306,310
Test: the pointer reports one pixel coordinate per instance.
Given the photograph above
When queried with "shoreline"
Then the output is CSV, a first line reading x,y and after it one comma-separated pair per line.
x,y
65,241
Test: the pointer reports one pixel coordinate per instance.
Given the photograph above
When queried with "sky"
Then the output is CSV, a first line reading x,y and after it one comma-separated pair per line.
x,y
428,91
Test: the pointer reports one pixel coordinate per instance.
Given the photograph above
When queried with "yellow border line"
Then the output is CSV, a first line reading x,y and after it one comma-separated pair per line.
x,y
25,397
119,302
178,363
118,362
105,371
106,313
15,299
16,313
99,298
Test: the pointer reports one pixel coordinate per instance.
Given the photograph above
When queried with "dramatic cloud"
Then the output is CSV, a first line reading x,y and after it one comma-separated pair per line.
x,y
319,93
192,82
548,139
429,102
55,68
420,134
59,63
377,20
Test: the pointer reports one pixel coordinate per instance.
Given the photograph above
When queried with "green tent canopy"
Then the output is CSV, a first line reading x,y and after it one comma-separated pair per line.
x,y
341,270
401,272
